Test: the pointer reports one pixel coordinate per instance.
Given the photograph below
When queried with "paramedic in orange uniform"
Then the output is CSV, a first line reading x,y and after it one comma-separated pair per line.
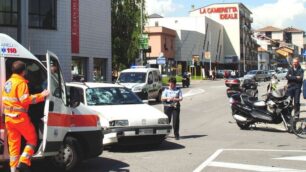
x,y
16,100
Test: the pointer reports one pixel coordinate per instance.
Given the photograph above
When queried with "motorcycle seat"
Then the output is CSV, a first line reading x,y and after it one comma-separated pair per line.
x,y
253,101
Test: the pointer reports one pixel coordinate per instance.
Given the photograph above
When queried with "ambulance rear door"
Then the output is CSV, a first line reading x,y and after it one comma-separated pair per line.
x,y
57,114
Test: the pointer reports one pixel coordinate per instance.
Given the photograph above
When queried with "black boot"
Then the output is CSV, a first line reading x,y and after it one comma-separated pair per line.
x,y
22,167
297,111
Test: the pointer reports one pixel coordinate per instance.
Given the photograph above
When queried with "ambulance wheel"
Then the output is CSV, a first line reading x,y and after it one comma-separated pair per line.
x,y
69,154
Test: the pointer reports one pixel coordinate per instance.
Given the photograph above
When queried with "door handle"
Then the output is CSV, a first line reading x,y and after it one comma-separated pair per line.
x,y
51,106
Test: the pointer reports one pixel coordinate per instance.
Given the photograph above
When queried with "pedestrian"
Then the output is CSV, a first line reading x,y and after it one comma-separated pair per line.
x,y
16,101
295,77
171,98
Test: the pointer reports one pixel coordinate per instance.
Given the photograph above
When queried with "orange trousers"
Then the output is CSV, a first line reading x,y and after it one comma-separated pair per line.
x,y
14,133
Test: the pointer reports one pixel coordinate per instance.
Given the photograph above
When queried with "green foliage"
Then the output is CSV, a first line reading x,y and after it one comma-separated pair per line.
x,y
126,29
166,78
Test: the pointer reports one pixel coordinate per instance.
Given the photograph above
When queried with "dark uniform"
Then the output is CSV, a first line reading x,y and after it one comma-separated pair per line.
x,y
294,86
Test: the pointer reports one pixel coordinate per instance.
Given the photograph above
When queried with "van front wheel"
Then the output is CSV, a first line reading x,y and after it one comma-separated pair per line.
x,y
69,154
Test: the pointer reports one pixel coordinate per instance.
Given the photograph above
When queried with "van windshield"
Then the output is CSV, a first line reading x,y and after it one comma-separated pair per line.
x,y
252,72
132,77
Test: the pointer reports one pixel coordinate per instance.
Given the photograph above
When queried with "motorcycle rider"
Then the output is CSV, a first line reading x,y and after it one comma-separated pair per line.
x,y
295,77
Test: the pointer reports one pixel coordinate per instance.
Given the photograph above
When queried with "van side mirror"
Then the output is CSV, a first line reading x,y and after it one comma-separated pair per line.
x,y
75,98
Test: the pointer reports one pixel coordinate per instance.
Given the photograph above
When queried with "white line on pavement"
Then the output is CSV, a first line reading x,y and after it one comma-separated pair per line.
x,y
208,161
250,167
193,92
293,158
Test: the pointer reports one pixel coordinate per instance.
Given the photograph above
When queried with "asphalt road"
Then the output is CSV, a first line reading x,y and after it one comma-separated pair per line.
x,y
210,141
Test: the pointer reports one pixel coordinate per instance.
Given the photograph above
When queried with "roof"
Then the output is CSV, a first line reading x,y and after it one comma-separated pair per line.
x,y
269,29
292,29
143,70
92,84
9,47
155,16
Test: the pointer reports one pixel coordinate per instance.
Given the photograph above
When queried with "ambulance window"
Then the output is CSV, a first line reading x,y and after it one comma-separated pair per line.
x,y
36,74
57,82
79,92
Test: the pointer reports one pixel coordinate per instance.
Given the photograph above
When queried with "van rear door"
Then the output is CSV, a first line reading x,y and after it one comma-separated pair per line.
x,y
57,114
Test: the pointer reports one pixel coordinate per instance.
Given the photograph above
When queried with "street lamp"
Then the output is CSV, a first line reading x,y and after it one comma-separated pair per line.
x,y
243,48
141,31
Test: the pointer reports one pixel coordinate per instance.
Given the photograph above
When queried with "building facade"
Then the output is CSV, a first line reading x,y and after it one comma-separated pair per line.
x,y
280,44
193,39
222,29
162,45
65,28
236,18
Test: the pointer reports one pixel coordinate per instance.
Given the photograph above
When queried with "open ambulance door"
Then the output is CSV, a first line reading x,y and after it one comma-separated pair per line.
x,y
57,114
3,140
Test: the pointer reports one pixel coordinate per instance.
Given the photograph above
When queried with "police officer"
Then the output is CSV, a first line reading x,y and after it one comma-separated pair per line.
x,y
295,81
171,98
16,101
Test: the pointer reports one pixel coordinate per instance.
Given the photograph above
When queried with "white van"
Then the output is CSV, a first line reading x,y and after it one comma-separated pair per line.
x,y
67,131
145,82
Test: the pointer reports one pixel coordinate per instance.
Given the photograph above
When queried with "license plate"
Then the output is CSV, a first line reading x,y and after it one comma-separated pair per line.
x,y
145,131
161,132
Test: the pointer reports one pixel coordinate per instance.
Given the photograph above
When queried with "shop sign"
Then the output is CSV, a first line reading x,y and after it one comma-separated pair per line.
x,y
75,28
225,13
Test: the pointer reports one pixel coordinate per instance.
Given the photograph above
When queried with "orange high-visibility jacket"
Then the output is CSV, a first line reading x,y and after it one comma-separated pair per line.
x,y
16,98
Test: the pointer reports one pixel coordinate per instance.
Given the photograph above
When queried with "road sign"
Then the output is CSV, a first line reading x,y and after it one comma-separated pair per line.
x,y
207,55
143,41
161,60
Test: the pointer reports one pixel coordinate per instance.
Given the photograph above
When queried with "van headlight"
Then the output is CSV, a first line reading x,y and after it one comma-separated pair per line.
x,y
163,121
118,123
137,89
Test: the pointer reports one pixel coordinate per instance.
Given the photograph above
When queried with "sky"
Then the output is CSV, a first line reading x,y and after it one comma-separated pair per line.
x,y
277,13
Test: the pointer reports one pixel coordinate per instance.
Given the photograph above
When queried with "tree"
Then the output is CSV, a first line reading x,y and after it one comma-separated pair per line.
x,y
126,29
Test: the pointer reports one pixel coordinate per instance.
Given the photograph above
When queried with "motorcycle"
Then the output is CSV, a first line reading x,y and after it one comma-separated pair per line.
x,y
275,109
186,80
248,87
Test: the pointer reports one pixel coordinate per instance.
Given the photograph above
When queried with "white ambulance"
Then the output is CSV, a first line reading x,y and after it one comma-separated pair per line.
x,y
67,131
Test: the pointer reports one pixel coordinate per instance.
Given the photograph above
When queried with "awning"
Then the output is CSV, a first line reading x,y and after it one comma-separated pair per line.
x,y
284,51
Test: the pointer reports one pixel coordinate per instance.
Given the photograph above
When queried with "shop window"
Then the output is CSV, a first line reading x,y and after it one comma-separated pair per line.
x,y
8,13
42,14
78,69
99,74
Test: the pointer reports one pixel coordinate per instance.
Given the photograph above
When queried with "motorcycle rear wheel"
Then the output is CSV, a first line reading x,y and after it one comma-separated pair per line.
x,y
243,125
299,127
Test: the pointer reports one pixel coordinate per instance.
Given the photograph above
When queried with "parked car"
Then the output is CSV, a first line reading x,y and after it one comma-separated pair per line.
x,y
281,74
257,75
128,119
145,82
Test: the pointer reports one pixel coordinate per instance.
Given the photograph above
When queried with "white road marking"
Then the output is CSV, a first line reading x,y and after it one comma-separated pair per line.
x,y
208,161
250,167
293,158
193,92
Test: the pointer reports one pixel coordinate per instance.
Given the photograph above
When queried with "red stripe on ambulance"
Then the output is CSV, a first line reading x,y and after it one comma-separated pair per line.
x,y
64,120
